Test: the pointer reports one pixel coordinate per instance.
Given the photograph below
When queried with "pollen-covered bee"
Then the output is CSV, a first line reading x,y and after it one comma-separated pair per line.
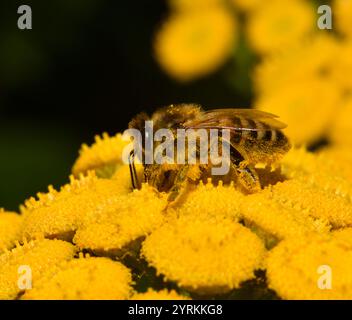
x,y
254,137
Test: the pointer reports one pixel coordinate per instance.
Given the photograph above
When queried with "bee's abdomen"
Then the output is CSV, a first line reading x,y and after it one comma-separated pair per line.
x,y
236,136
255,130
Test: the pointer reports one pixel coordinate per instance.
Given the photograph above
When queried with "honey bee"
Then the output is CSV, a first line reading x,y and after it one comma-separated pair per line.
x,y
255,137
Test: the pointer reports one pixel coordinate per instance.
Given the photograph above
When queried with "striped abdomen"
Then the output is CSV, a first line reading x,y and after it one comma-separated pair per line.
x,y
258,140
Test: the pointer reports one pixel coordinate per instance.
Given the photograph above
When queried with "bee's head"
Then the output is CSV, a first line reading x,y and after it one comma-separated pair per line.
x,y
169,117
174,116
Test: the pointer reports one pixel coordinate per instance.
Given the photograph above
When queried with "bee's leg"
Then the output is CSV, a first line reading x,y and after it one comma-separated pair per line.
x,y
248,177
246,174
133,172
186,173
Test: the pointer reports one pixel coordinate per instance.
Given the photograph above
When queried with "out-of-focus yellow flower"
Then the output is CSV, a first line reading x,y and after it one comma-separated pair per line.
x,y
329,173
298,268
279,24
247,5
103,156
132,217
307,107
38,255
344,236
341,128
313,201
158,295
192,44
313,58
194,5
212,201
84,279
10,229
277,221
206,256
58,214
342,66
342,10
321,63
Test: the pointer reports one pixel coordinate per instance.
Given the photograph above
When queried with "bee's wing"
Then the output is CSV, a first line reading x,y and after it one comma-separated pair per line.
x,y
231,119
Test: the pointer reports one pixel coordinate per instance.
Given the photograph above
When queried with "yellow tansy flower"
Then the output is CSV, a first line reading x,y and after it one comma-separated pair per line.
x,y
213,238
313,58
315,198
158,295
193,44
84,279
58,214
247,5
132,217
280,24
38,255
103,156
307,112
276,221
342,10
300,268
206,256
329,173
341,128
208,200
313,201
344,236
342,66
320,63
10,229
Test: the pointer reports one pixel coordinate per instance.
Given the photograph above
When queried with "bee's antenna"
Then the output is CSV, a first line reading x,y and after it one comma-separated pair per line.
x,y
133,172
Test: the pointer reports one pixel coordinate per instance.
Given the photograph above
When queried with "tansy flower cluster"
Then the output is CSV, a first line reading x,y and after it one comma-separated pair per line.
x,y
198,37
84,278
293,264
96,238
189,45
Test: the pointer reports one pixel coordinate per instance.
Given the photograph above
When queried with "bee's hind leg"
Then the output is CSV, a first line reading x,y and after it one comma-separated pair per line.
x,y
248,177
245,173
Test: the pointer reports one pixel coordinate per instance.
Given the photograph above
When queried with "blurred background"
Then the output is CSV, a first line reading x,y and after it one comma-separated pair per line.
x,y
88,67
